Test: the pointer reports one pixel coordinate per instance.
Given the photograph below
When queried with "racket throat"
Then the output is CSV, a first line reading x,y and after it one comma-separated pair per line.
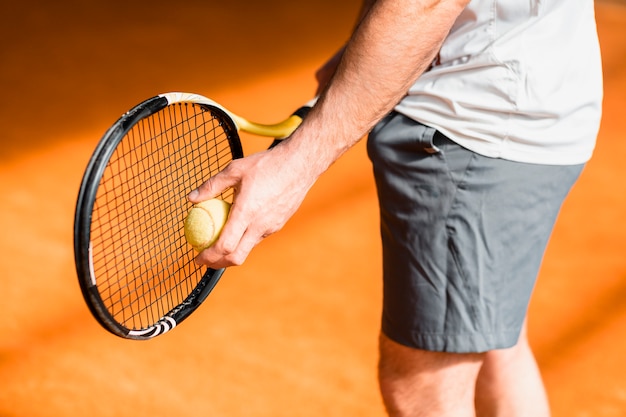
x,y
278,130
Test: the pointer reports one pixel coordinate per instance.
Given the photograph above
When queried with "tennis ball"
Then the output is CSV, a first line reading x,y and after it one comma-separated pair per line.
x,y
204,223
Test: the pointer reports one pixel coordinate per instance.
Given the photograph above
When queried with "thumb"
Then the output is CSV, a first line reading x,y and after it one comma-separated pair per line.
x,y
212,187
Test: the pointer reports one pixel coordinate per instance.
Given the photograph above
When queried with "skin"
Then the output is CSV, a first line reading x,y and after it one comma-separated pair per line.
x,y
393,43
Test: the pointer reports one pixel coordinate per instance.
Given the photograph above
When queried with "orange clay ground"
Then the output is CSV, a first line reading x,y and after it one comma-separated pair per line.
x,y
293,331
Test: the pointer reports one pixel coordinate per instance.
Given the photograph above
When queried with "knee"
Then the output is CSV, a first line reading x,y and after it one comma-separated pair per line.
x,y
397,361
412,380
398,379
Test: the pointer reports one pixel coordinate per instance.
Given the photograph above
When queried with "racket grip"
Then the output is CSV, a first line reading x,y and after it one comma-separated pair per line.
x,y
301,113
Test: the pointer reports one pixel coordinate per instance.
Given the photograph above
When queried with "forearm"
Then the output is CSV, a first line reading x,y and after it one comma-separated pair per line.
x,y
393,44
326,71
366,5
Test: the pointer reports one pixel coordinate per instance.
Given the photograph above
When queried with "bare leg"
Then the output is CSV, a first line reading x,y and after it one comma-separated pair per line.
x,y
420,383
509,384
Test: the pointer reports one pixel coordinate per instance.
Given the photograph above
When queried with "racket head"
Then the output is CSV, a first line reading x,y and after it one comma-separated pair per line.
x,y
136,271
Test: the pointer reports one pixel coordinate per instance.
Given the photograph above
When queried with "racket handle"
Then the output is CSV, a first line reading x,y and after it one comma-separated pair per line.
x,y
301,113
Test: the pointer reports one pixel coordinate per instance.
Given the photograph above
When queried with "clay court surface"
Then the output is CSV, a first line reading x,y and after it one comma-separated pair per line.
x,y
292,332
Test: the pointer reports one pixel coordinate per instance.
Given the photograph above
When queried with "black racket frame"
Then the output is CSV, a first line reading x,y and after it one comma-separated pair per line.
x,y
83,217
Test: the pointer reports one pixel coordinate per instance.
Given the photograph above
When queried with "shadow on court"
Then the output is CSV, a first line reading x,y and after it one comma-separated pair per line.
x,y
293,332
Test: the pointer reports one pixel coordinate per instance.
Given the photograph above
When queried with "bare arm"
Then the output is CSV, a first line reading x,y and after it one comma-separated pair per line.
x,y
392,46
326,71
395,41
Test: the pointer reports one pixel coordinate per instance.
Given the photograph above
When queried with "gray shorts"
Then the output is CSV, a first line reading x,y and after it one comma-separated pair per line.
x,y
463,237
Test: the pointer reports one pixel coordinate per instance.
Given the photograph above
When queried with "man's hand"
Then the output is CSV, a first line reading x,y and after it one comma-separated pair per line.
x,y
394,42
269,187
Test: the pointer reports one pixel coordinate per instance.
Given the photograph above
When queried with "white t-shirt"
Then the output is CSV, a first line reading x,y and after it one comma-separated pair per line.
x,y
519,80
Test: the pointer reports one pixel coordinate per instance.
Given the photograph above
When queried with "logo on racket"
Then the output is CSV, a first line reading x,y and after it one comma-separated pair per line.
x,y
162,326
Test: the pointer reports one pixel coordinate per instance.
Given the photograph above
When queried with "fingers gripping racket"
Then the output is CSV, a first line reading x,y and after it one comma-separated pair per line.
x,y
136,271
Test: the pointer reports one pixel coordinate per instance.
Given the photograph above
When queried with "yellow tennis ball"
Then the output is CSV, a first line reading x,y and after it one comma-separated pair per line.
x,y
204,223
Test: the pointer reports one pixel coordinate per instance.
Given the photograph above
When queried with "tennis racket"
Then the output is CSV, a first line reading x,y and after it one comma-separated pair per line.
x,y
136,271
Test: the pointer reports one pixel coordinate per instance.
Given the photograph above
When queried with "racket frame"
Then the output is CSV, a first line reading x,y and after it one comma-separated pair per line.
x,y
89,188
84,211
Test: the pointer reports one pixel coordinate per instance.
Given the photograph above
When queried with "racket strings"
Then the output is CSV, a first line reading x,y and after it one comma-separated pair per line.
x,y
143,265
